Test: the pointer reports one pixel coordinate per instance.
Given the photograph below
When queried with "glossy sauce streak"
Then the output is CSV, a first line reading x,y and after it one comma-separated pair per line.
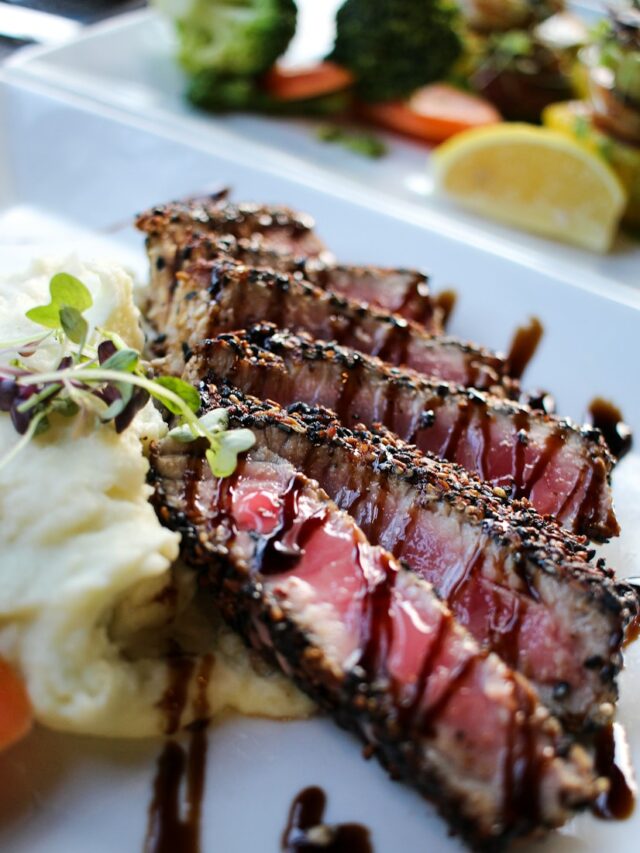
x,y
613,761
168,830
523,347
523,766
377,621
174,700
201,709
539,400
396,346
274,555
305,832
609,420
418,305
445,302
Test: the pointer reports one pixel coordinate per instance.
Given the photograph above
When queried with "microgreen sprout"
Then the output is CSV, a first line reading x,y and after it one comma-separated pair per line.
x,y
109,381
224,444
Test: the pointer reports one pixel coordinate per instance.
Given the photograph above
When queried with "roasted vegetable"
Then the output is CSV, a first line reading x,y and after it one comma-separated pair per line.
x,y
521,76
433,113
221,93
231,37
393,47
301,84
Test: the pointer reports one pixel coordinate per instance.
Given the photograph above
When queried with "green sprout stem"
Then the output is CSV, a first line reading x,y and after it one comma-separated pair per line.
x,y
25,341
36,399
158,391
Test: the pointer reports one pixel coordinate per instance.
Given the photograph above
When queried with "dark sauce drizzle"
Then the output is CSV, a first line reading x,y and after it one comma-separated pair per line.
x,y
168,831
523,347
444,303
539,400
174,699
274,554
608,419
305,832
612,761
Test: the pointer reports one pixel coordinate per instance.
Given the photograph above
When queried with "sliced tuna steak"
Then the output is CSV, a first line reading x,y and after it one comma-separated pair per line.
x,y
405,292
190,230
523,586
171,227
217,296
562,469
371,643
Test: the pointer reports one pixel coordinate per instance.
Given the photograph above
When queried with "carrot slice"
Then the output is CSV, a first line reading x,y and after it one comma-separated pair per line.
x,y
16,716
433,113
300,84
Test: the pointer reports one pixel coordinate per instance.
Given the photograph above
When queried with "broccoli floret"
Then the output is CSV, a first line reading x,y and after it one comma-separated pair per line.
x,y
231,36
221,93
395,46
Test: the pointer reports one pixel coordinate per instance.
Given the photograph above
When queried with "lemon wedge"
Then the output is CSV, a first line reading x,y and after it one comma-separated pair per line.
x,y
536,179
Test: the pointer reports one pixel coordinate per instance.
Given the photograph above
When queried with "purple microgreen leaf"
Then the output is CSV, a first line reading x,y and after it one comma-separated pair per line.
x,y
118,397
138,401
105,350
65,363
28,351
9,391
20,420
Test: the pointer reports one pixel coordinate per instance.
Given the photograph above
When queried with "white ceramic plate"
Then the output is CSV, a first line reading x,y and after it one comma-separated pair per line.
x,y
128,63
70,175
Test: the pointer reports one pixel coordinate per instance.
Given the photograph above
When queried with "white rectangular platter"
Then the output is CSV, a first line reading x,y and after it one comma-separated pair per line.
x,y
72,174
128,63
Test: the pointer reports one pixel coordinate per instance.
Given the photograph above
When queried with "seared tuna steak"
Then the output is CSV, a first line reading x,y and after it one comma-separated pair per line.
x,y
217,296
254,236
523,586
405,292
370,642
171,227
562,469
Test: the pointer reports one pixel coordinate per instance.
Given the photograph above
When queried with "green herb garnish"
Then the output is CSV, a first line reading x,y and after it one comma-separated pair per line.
x,y
365,144
108,381
66,292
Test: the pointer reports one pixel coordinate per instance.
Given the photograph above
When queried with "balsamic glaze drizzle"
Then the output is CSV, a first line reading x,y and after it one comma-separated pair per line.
x,y
284,546
609,420
444,303
523,347
305,832
613,761
175,696
168,831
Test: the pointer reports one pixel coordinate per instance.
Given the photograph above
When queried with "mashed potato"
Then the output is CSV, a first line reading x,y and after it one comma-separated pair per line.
x,y
85,565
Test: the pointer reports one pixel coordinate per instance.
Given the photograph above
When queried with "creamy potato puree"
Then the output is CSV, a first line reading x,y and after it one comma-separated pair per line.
x,y
84,561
